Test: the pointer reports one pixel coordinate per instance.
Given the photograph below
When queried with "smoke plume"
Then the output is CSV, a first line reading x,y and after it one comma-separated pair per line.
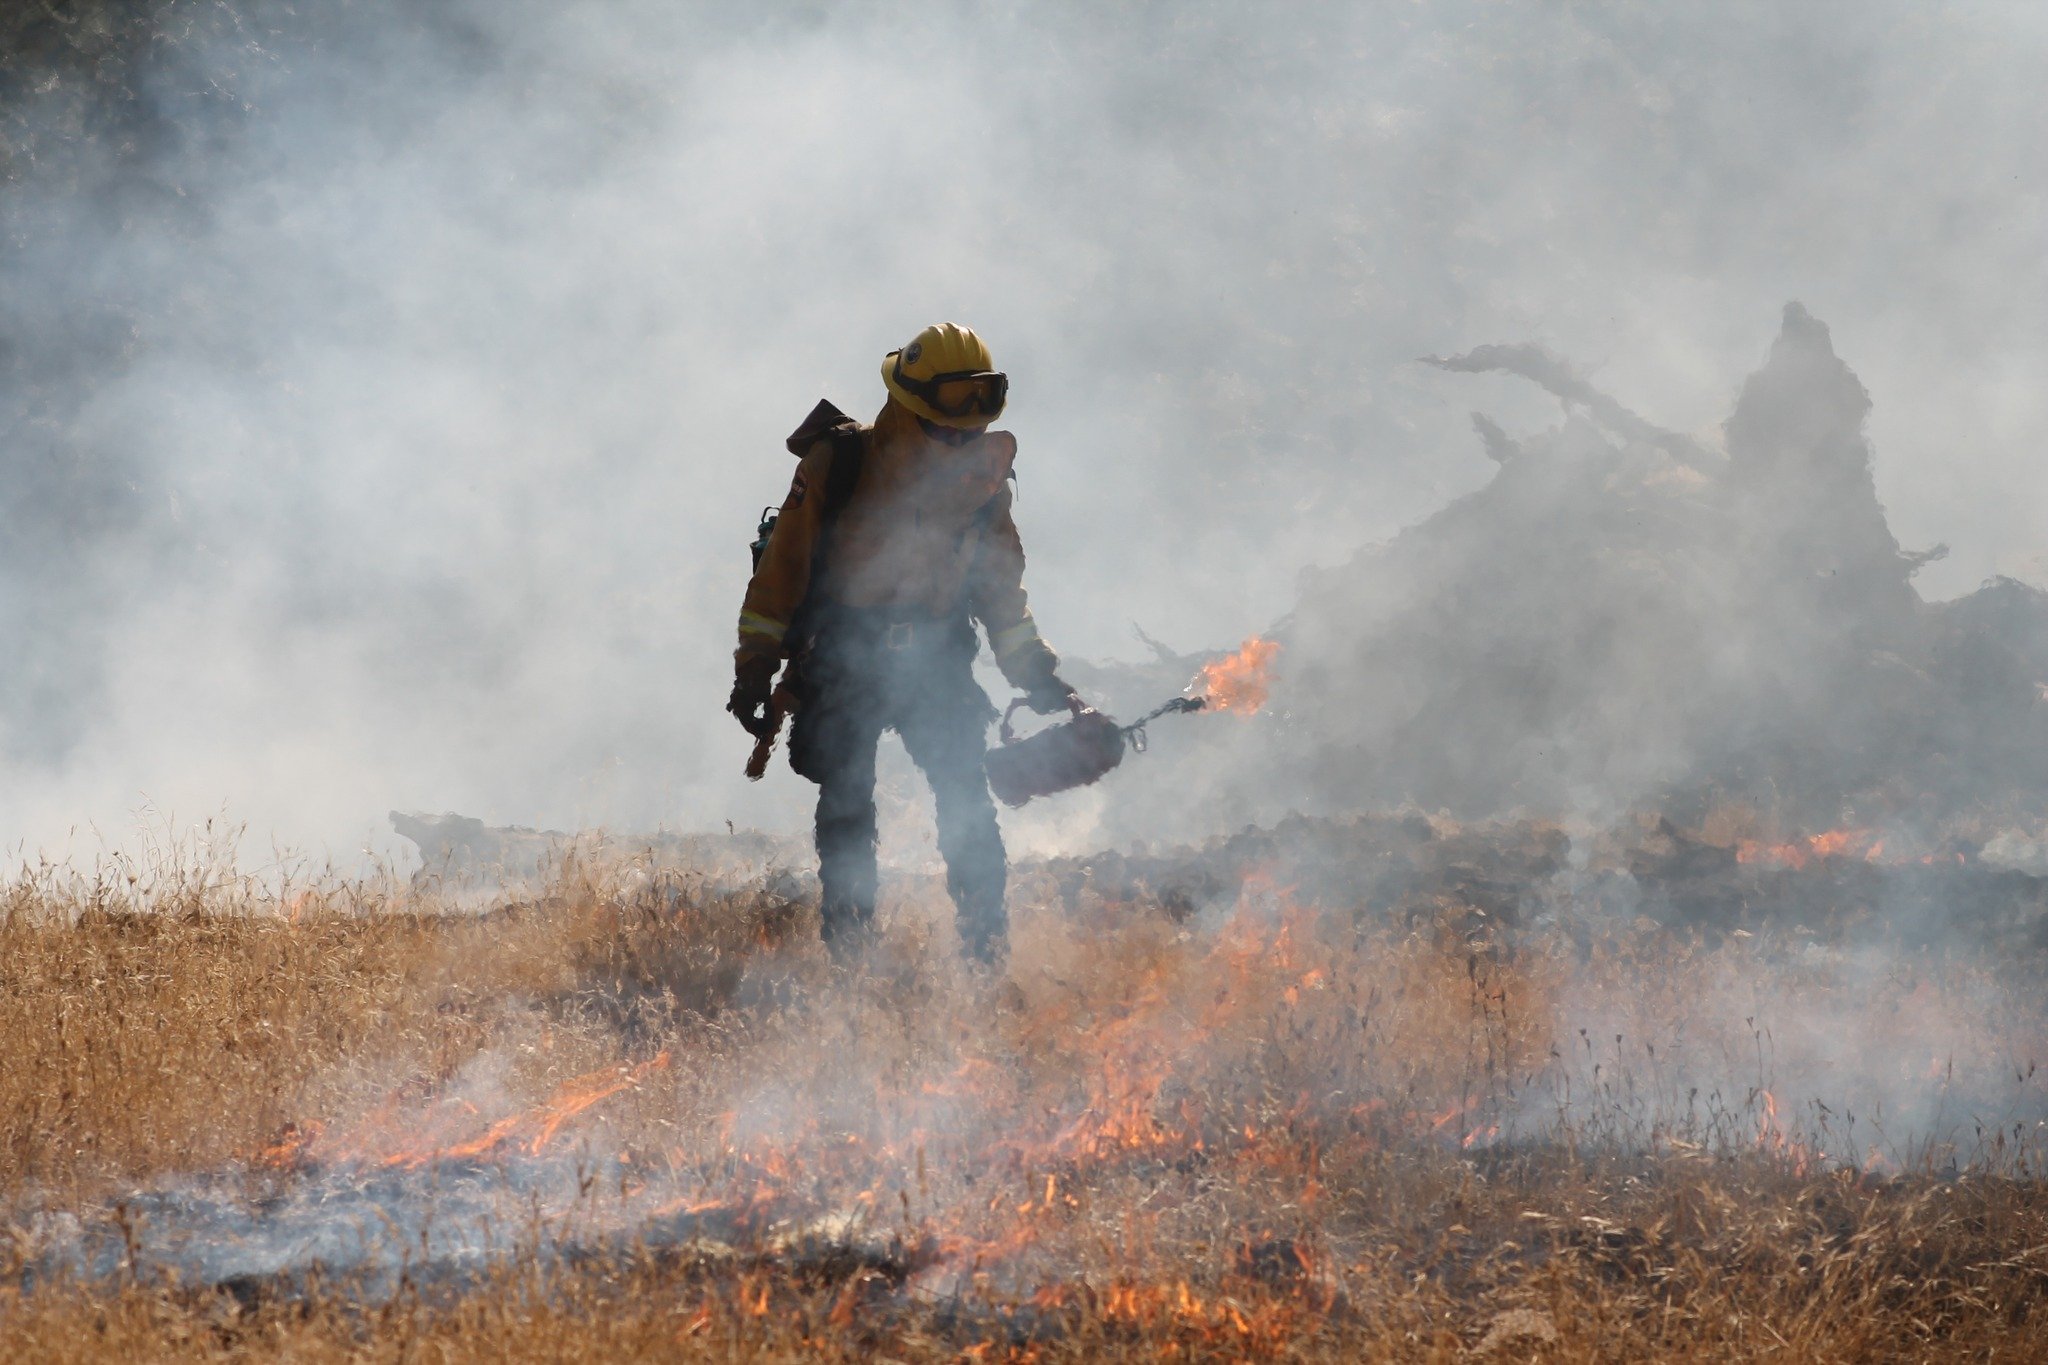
x,y
389,390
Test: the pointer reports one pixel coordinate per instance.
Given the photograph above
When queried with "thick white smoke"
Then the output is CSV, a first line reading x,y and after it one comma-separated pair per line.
x,y
390,398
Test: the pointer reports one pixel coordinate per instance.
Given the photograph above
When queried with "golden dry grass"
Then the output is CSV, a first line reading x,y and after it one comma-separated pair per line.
x,y
1274,1132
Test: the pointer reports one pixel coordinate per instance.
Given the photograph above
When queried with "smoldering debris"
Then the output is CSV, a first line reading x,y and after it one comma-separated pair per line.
x,y
1713,870
1628,616
1606,618
1729,870
1491,880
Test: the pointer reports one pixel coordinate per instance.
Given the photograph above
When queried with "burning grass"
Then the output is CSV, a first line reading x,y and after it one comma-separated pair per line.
x,y
639,1114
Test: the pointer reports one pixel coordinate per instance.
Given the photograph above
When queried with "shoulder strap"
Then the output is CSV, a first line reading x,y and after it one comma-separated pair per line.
x,y
1006,450
849,453
842,476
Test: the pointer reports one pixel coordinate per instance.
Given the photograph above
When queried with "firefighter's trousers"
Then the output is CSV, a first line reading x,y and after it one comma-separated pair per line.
x,y
867,672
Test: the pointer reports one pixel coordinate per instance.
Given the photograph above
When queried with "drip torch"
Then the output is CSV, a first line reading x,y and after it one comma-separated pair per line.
x,y
1072,754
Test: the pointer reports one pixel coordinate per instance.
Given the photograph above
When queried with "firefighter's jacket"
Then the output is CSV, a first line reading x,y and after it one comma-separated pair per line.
x,y
926,532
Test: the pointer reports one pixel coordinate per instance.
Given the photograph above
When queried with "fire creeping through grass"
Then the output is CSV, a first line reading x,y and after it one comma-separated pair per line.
x,y
640,1114
1797,853
453,1130
1861,845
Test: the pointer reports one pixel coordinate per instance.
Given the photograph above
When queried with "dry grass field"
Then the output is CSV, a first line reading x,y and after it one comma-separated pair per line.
x,y
638,1114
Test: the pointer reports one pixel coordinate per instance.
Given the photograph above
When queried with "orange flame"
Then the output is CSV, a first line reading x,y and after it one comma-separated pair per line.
x,y
1127,1095
292,1145
1240,682
450,1132
1834,843
1773,1137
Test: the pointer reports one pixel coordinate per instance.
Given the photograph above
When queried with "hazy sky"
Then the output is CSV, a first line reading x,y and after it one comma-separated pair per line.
x,y
469,345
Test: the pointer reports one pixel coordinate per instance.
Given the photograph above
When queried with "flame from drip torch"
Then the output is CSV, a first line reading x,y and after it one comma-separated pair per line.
x,y
1239,682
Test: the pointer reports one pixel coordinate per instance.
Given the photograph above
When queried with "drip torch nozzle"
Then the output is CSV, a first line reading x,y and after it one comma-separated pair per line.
x,y
1134,733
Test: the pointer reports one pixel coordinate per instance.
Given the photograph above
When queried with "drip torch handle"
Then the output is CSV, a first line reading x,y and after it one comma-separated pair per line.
x,y
1074,705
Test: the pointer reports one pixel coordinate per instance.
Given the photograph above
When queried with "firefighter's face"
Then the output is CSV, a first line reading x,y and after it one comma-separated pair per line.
x,y
951,436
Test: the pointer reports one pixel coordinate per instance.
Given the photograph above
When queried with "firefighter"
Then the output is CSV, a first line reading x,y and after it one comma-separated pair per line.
x,y
894,540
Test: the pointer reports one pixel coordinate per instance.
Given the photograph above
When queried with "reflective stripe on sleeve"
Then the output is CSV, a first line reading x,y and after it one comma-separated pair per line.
x,y
754,623
1020,636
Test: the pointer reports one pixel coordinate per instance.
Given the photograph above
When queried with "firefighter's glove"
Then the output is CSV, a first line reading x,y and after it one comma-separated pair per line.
x,y
752,686
1048,695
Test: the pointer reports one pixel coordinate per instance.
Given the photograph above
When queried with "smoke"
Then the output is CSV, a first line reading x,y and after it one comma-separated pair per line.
x,y
389,389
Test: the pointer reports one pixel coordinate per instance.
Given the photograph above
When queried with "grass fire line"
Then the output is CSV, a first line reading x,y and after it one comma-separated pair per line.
x,y
639,1112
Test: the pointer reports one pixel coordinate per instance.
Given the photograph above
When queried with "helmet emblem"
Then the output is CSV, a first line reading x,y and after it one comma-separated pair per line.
x,y
912,352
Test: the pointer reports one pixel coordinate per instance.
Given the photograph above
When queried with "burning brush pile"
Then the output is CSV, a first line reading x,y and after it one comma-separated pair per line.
x,y
1630,616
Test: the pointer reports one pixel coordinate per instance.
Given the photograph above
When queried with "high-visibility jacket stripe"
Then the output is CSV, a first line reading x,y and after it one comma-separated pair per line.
x,y
754,623
1020,636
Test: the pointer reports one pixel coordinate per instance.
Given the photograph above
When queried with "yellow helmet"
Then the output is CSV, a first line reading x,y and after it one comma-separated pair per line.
x,y
944,375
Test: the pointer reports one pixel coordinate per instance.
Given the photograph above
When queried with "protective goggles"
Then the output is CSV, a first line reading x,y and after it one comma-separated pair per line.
x,y
958,392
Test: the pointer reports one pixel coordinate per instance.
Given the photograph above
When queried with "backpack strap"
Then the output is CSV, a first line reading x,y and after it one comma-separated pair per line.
x,y
849,453
1003,447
